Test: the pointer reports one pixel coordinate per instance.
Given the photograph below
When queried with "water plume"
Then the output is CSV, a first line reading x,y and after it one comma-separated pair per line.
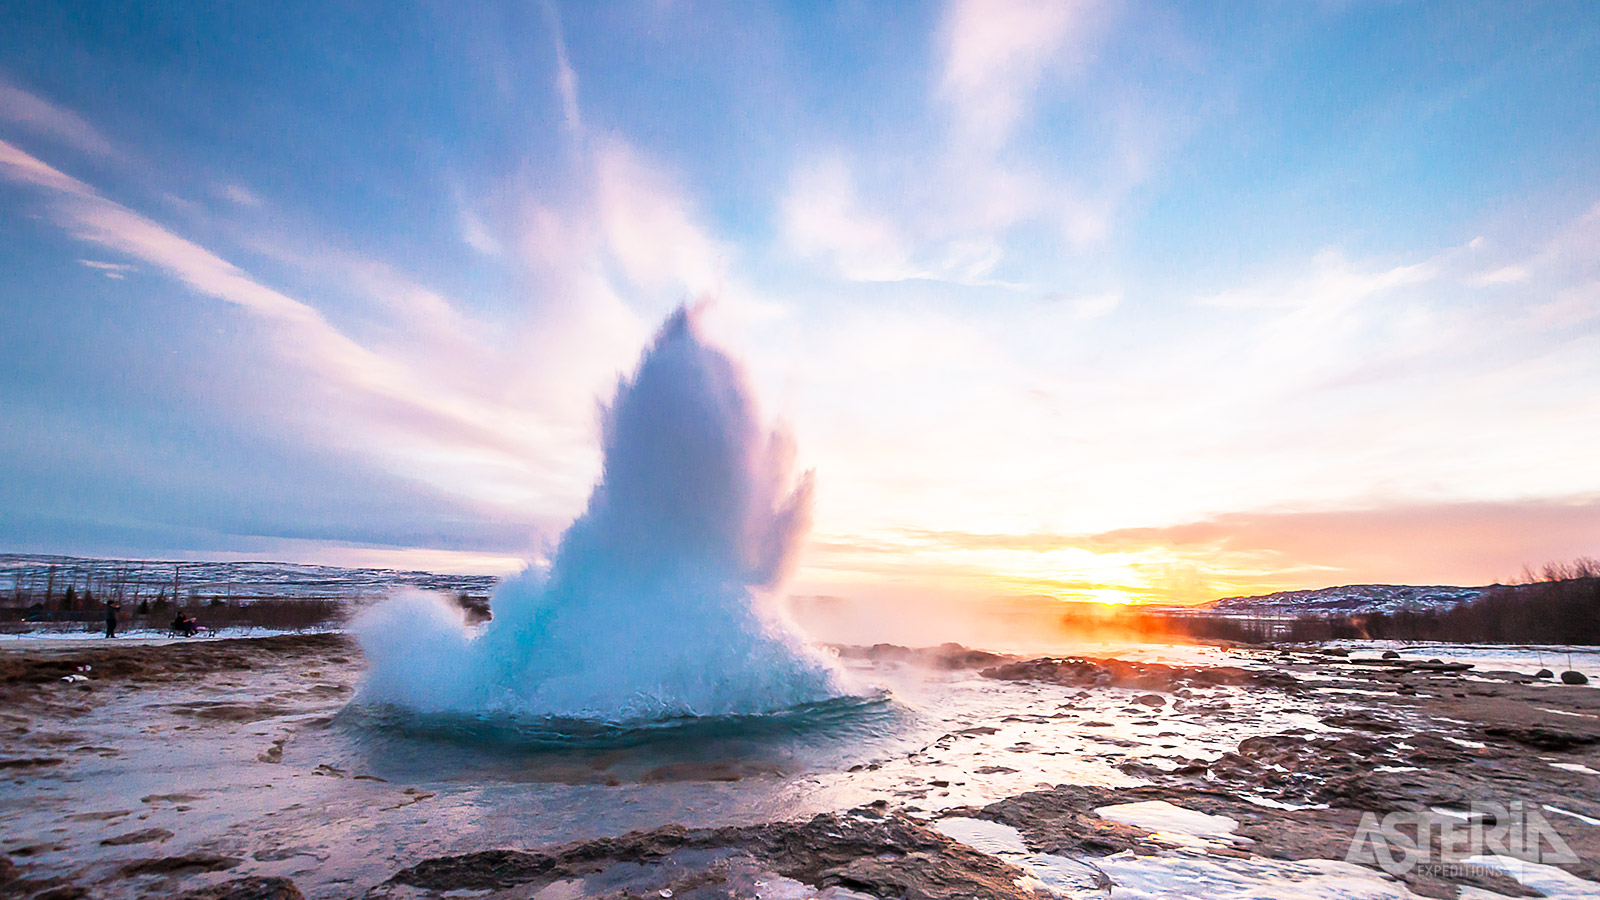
x,y
654,603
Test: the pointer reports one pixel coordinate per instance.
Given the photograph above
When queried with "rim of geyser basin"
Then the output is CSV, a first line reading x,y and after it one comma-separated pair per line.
x,y
537,733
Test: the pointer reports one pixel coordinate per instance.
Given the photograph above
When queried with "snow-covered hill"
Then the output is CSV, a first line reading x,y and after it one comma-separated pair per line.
x,y
36,574
1350,598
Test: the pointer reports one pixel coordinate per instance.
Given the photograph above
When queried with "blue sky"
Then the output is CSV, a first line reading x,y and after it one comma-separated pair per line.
x,y
1151,300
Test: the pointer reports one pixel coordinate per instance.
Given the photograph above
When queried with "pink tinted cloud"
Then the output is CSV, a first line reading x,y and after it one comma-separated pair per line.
x,y
15,165
996,53
1251,552
44,118
1455,543
416,413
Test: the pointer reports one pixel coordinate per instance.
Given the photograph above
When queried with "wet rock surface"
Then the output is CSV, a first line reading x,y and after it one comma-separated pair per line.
x,y
1438,744
142,836
1295,795
248,889
868,850
186,864
1063,821
1108,672
1372,738
944,656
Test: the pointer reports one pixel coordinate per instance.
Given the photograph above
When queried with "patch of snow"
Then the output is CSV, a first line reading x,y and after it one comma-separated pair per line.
x,y
778,887
1566,712
1574,767
1550,881
1222,878
44,639
1178,874
1269,803
1567,812
1172,824
1057,874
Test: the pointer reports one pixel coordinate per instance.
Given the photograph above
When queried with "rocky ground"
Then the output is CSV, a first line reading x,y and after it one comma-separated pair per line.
x,y
1415,736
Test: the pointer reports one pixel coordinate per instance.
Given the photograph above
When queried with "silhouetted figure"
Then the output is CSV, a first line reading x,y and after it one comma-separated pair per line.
x,y
185,625
111,618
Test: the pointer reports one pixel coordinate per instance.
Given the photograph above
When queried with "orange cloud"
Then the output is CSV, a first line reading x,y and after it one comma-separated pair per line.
x,y
1237,553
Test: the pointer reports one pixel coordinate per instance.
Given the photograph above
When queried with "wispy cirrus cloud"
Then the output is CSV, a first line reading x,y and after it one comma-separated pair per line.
x,y
1245,552
1563,269
1355,385
1034,294
648,224
410,422
499,410
822,217
1407,543
955,207
25,169
996,52
1332,280
239,195
109,269
40,116
566,80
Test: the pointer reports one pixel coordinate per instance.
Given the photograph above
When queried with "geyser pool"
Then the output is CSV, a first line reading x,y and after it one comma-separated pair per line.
x,y
653,605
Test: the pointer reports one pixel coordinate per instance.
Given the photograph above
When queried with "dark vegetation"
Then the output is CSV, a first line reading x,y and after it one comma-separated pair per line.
x,y
1557,605
86,612
46,601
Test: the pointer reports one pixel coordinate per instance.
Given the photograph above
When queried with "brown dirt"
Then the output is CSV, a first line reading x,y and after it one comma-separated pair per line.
x,y
147,663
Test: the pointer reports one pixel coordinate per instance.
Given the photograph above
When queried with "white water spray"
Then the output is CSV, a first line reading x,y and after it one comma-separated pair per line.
x,y
651,607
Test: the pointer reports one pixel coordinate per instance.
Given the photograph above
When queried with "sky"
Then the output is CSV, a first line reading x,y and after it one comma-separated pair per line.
x,y
1152,301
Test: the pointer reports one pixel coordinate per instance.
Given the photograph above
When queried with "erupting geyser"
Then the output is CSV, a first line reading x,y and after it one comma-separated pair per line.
x,y
652,605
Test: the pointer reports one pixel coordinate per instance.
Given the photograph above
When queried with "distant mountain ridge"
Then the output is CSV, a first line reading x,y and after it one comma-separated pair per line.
x,y
1351,598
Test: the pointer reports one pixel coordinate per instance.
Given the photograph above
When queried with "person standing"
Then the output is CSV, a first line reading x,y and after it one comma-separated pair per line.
x,y
112,606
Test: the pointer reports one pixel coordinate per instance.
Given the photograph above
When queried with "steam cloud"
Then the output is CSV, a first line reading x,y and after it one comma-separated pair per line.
x,y
650,608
